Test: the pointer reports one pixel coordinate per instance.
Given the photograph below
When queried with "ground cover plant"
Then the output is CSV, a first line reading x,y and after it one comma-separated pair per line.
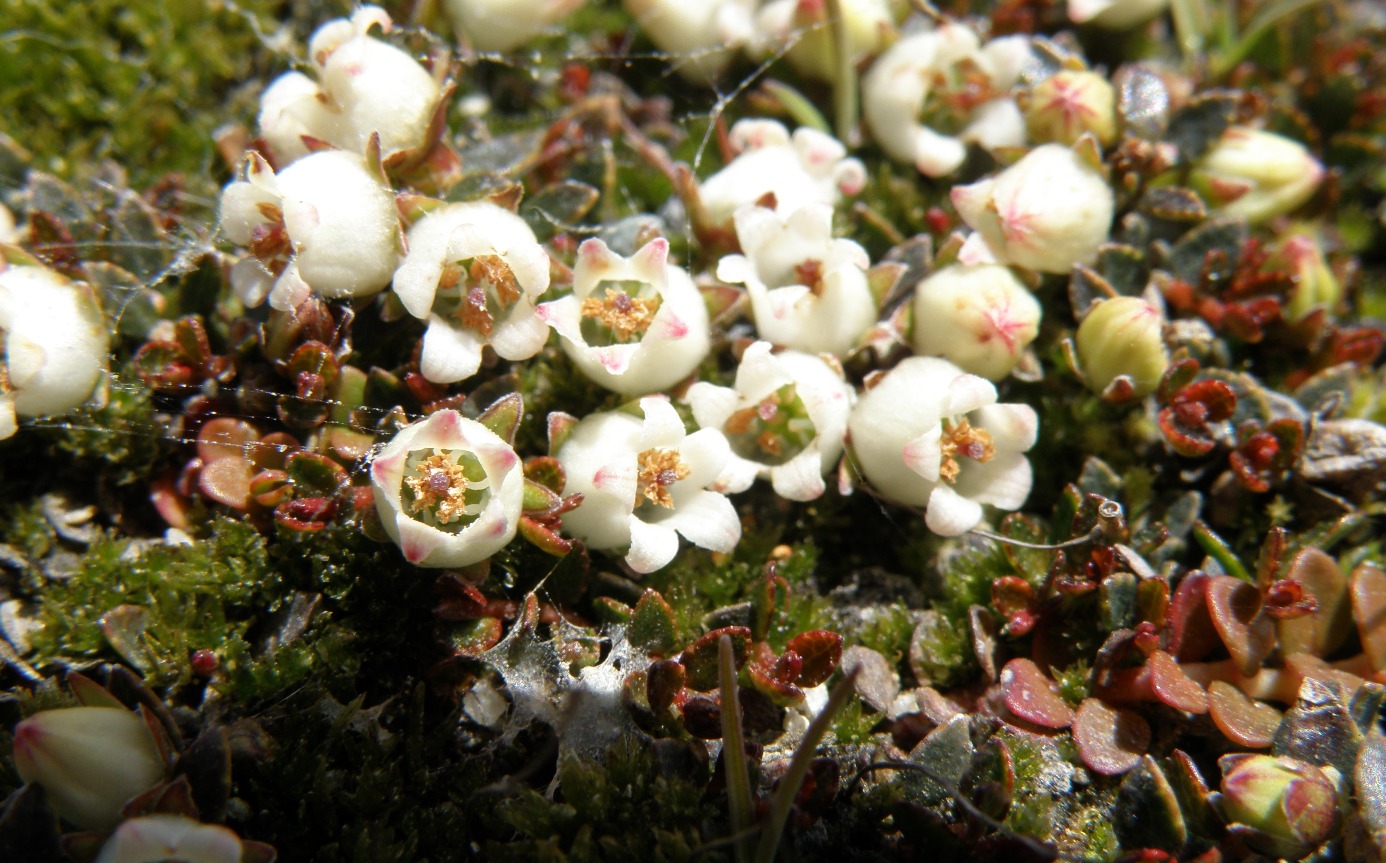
x,y
717,430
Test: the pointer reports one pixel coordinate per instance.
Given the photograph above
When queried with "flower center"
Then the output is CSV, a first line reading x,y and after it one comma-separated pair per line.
x,y
486,288
659,468
810,275
961,439
773,430
620,316
446,488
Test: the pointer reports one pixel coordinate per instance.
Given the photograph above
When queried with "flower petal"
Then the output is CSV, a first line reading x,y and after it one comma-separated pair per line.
x,y
450,353
705,452
711,404
924,454
967,393
662,427
706,519
1013,427
951,514
652,546
800,478
520,335
1003,482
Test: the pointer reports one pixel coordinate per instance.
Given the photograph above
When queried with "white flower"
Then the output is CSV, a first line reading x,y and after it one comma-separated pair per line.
x,y
930,435
55,343
448,490
325,224
1047,212
910,97
89,760
633,325
1115,14
802,30
808,290
473,271
500,25
159,838
785,420
1257,175
808,168
364,86
700,36
645,482
979,317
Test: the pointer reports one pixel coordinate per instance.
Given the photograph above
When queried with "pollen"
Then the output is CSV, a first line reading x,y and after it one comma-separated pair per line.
x,y
961,439
439,484
626,316
659,468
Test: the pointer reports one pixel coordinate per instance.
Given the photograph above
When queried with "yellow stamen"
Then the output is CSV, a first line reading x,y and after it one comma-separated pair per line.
x,y
961,439
624,315
438,481
494,269
659,468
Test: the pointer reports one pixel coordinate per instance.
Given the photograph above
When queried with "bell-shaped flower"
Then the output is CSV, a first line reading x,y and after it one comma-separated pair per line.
x,y
473,271
326,224
808,290
633,325
932,93
448,490
364,86
808,168
1047,212
55,344
785,419
502,25
645,482
1257,175
979,317
1071,103
929,434
90,761
699,37
159,838
801,30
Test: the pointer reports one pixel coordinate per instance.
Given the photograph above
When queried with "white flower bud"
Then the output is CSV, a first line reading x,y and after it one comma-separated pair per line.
x,y
801,29
979,317
946,79
808,168
1115,14
808,290
1257,175
1047,212
646,482
700,36
89,760
1122,336
473,271
338,221
1069,103
364,86
448,490
633,325
55,344
1316,286
930,435
156,838
785,419
501,25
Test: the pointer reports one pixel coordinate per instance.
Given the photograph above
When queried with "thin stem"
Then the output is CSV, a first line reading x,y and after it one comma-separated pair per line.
x,y
844,76
734,750
783,800
1267,18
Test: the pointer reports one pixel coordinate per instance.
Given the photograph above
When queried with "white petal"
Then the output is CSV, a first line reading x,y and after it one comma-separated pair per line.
x,y
450,353
951,514
1004,482
760,373
416,283
1013,427
924,455
708,520
662,427
800,478
711,404
251,281
738,475
521,335
705,452
967,393
735,270
289,290
564,315
652,546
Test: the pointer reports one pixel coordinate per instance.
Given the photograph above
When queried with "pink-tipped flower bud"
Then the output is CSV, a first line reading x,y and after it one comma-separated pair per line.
x,y
1066,104
1123,337
1257,175
1282,807
90,760
978,316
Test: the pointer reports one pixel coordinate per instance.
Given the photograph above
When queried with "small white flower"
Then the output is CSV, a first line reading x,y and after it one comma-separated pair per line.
x,y
700,36
633,325
785,419
801,29
55,344
1115,14
157,838
1047,212
808,168
89,760
473,271
364,86
325,224
644,483
979,317
500,25
910,97
1257,175
808,290
929,434
448,490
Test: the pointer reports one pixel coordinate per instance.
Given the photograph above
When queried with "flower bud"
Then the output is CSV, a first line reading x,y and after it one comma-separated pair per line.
x,y
1257,175
1115,14
1316,287
1282,807
1123,337
501,25
171,837
89,760
1047,212
979,317
801,28
1068,103
700,37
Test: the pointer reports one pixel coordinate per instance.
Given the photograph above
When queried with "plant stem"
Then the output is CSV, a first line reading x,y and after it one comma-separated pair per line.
x,y
844,76
734,750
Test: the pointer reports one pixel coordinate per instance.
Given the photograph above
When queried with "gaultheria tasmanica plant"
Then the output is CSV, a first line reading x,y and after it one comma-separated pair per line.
x,y
806,168
977,316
